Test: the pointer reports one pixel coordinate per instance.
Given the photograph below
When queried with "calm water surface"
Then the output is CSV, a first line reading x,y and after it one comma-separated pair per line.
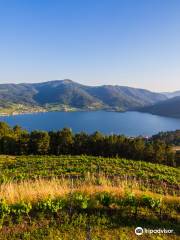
x,y
128,123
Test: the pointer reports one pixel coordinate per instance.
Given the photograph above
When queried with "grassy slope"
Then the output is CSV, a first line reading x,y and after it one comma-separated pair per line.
x,y
25,167
116,176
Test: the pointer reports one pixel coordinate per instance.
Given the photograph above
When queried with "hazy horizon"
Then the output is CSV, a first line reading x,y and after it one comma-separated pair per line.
x,y
110,42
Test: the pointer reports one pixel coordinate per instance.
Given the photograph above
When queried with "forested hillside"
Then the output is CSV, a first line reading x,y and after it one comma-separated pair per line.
x,y
169,108
171,137
71,94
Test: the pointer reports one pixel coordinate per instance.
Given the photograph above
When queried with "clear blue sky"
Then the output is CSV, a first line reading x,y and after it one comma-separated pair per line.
x,y
124,42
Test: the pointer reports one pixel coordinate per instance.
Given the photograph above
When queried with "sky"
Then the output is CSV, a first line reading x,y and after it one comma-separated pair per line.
x,y
94,42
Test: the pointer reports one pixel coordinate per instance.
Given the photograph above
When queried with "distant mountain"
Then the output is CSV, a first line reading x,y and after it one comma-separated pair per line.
x,y
170,108
17,93
125,97
72,94
172,94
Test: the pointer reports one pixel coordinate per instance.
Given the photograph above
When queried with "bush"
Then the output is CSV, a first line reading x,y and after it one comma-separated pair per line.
x,y
105,199
50,205
80,200
147,201
21,208
4,209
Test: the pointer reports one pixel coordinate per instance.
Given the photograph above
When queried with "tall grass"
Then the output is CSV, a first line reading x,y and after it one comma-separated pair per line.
x,y
40,189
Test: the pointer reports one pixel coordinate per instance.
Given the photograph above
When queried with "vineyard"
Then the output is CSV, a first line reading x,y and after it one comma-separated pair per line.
x,y
156,176
84,197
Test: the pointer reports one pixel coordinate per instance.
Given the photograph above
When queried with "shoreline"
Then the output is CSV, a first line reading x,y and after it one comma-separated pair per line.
x,y
60,110
21,113
80,110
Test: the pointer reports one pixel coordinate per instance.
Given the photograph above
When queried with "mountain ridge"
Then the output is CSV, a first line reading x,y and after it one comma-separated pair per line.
x,y
172,94
76,95
169,108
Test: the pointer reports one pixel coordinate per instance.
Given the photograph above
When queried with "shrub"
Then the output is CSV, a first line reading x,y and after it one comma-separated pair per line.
x,y
50,205
105,199
130,200
80,200
4,209
21,208
149,202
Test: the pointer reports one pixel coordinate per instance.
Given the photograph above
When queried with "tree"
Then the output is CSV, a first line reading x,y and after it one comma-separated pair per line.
x,y
5,130
80,145
138,146
8,145
7,140
95,144
53,143
159,151
39,142
149,152
23,144
64,141
170,156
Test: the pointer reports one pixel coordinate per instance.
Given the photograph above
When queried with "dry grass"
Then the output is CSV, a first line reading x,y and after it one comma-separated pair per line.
x,y
33,191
